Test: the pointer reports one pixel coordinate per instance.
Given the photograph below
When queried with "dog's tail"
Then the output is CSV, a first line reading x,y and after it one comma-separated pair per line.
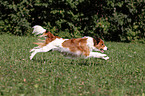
x,y
40,44
38,30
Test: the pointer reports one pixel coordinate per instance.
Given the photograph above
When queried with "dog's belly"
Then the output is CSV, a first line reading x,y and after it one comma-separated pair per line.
x,y
66,51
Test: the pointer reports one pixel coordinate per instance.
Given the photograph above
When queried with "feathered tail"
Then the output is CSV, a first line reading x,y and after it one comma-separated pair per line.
x,y
38,30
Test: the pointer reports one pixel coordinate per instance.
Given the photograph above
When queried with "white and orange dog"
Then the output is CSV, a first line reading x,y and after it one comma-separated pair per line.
x,y
78,47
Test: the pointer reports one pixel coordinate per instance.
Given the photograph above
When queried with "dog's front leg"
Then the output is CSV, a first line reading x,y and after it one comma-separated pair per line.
x,y
98,55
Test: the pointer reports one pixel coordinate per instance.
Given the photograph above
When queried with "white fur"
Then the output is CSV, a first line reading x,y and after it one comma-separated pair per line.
x,y
90,43
98,55
38,30
105,48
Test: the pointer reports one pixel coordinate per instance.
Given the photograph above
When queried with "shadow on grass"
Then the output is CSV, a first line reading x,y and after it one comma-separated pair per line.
x,y
78,61
86,62
58,59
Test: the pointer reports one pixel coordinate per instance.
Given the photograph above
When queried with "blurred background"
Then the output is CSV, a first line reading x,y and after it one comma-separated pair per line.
x,y
111,20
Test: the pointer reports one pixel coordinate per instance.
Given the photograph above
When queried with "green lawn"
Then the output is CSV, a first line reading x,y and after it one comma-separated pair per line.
x,y
52,74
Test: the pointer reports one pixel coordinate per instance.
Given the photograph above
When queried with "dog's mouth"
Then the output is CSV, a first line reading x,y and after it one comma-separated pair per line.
x,y
101,50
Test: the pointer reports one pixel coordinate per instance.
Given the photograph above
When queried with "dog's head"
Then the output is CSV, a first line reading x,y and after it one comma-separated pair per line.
x,y
99,44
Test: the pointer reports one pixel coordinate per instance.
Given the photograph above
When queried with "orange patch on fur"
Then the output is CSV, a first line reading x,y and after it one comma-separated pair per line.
x,y
79,44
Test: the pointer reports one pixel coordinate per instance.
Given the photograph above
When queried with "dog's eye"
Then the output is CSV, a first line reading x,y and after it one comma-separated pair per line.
x,y
102,44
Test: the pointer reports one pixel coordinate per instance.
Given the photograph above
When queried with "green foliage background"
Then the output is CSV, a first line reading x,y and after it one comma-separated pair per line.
x,y
116,20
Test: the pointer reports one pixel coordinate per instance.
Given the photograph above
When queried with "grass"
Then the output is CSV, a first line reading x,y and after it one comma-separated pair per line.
x,y
52,74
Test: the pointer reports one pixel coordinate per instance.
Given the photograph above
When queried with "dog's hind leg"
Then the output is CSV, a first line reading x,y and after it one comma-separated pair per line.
x,y
43,49
34,49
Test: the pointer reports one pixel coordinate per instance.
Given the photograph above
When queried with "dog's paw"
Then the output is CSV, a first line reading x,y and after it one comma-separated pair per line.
x,y
106,58
32,50
31,57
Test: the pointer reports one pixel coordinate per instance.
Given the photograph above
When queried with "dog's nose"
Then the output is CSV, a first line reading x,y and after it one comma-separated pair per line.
x,y
107,48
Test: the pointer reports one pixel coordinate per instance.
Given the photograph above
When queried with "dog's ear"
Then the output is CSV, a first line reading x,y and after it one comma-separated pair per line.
x,y
50,35
96,40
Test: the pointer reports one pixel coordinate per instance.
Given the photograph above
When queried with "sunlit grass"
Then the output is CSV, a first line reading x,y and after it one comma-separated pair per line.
x,y
52,74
